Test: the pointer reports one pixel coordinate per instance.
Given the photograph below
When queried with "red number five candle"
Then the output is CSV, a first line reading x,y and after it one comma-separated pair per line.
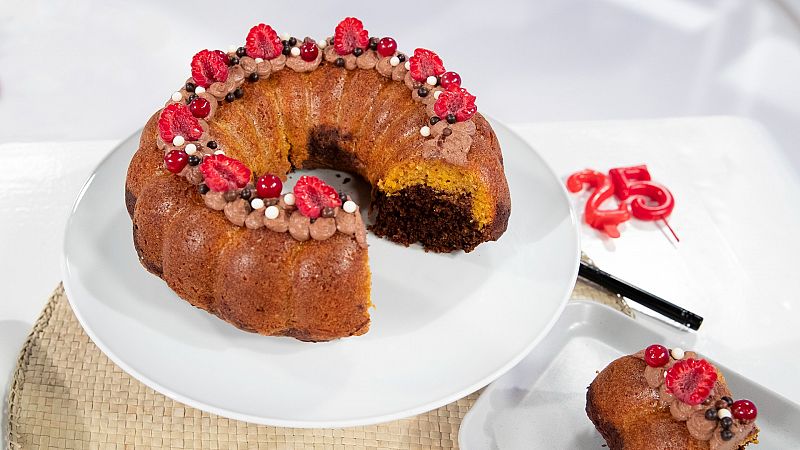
x,y
635,182
603,220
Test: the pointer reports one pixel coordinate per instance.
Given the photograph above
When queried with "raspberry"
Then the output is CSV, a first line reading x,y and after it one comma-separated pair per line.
x,y
176,160
691,380
425,63
457,101
269,186
209,66
312,195
223,174
656,355
263,42
177,120
350,35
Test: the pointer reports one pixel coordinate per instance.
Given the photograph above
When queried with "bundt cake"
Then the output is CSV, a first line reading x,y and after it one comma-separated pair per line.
x,y
662,399
205,194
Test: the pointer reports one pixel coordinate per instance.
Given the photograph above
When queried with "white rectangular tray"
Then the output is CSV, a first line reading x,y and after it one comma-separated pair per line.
x,y
540,402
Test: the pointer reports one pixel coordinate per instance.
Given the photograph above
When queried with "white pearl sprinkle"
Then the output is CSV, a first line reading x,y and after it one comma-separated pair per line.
x,y
425,131
285,36
437,94
295,51
723,412
190,149
259,60
394,61
199,90
219,152
257,203
322,43
677,353
431,80
349,207
177,96
408,65
232,48
288,199
272,212
177,141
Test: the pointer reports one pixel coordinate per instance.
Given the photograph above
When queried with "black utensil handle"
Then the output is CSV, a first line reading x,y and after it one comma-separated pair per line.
x,y
642,297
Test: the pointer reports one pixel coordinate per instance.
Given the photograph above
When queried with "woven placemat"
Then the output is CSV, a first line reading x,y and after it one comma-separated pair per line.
x,y
66,394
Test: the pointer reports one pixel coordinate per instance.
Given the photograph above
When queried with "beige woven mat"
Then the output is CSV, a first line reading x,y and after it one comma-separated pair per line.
x,y
66,394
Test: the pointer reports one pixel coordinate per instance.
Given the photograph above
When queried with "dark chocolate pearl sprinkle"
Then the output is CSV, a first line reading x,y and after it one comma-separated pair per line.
x,y
373,43
727,400
422,92
358,51
342,197
203,189
230,196
253,77
451,119
230,97
711,414
286,48
447,132
246,194
238,93
241,51
330,41
190,87
339,62
435,120
726,422
194,160
192,97
401,57
719,404
327,211
292,41
212,145
232,61
726,435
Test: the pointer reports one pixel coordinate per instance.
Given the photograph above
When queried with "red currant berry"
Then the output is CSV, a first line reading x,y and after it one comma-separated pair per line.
x,y
200,107
656,355
269,186
450,78
309,51
387,46
744,410
176,160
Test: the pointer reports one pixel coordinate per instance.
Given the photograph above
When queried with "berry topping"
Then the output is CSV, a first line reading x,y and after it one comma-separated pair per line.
x,y
200,107
263,42
744,410
176,160
350,35
208,67
450,78
387,46
691,380
457,101
269,186
177,120
312,195
309,51
425,63
656,355
222,173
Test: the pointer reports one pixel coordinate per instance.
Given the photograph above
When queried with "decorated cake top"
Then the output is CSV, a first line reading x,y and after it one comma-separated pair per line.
x,y
689,387
314,209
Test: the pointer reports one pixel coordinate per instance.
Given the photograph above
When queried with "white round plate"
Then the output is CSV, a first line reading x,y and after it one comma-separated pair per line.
x,y
443,326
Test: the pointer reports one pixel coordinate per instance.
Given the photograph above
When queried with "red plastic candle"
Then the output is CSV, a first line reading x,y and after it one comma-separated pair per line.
x,y
603,220
650,200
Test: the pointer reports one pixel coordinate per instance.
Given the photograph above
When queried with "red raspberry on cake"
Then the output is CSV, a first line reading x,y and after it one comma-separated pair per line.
x,y
350,35
691,380
177,120
222,174
263,42
455,101
424,64
209,66
312,195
